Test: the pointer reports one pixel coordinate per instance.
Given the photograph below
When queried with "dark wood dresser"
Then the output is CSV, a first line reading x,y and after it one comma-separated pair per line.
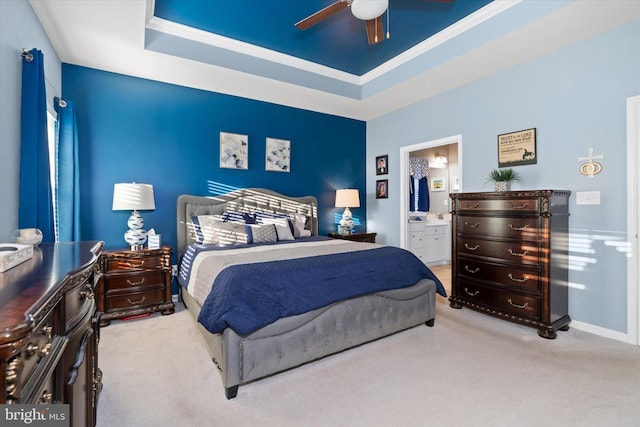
x,y
510,256
134,283
49,330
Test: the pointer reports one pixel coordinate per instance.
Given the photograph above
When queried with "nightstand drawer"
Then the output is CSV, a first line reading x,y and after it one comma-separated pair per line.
x,y
134,263
129,300
131,281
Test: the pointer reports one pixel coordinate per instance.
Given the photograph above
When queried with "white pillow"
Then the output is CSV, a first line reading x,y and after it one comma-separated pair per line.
x,y
203,227
299,222
231,233
282,227
265,233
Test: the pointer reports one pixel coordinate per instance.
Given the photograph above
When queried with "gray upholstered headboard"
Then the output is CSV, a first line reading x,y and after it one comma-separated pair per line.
x,y
244,200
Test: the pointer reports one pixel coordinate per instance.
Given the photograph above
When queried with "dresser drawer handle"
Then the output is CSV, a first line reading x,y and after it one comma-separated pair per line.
x,y
135,283
522,206
471,225
520,254
524,279
140,301
473,294
87,292
513,227
466,245
475,270
135,265
475,206
518,305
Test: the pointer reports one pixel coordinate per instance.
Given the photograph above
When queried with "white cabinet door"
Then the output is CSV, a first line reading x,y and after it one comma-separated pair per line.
x,y
435,243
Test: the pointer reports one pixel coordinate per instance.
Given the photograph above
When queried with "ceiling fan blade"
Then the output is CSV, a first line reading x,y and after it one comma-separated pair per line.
x,y
322,15
374,30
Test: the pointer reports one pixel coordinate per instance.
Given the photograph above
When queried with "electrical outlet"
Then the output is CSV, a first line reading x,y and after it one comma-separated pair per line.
x,y
174,298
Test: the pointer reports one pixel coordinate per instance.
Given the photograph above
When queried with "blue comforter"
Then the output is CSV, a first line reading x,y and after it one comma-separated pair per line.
x,y
248,297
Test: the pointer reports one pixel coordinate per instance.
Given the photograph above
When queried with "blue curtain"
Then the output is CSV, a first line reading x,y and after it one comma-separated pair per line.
x,y
68,172
36,206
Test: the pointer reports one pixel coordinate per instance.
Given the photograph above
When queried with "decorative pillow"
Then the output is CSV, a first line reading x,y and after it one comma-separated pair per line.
x,y
261,216
282,227
299,222
231,233
305,233
239,217
265,233
203,226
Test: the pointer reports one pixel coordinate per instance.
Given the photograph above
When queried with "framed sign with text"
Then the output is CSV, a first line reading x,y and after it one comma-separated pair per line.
x,y
517,148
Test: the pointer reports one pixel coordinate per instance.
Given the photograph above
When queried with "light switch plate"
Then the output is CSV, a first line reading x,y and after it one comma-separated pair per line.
x,y
587,198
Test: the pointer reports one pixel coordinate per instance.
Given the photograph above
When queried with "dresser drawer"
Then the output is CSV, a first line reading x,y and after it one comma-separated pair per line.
x,y
512,205
39,345
130,300
130,281
509,302
513,252
511,227
518,278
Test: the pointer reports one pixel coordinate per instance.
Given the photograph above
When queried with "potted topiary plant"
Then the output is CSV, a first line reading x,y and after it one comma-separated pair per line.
x,y
503,178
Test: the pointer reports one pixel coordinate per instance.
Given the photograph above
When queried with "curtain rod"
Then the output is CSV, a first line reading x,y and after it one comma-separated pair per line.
x,y
26,54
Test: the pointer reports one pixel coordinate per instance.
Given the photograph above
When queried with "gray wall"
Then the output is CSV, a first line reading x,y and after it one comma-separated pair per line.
x,y
576,98
19,28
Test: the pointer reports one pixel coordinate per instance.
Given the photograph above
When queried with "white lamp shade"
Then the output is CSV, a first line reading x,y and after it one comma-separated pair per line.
x,y
133,197
368,9
347,198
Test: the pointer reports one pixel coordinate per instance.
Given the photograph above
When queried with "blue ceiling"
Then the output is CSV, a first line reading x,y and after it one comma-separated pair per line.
x,y
339,42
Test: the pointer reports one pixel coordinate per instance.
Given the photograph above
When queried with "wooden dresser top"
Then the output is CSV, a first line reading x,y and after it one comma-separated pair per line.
x,y
33,284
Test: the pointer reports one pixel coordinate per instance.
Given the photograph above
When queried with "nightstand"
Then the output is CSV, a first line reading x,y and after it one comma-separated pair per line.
x,y
356,237
133,283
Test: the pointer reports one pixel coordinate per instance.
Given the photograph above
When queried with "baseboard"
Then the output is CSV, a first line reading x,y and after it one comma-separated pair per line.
x,y
603,332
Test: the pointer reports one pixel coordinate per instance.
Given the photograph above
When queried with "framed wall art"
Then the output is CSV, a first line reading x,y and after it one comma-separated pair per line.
x,y
382,189
278,155
234,151
438,184
382,165
517,148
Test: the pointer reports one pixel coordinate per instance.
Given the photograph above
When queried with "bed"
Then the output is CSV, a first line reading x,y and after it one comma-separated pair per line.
x,y
240,292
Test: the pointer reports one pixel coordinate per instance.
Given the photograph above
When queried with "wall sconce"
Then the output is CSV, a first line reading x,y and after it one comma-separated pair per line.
x,y
441,158
134,197
590,168
347,198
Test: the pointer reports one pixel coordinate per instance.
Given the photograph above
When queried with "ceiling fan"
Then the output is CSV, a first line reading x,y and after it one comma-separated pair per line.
x,y
369,11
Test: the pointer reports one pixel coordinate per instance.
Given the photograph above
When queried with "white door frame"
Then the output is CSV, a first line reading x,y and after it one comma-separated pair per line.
x,y
404,176
633,214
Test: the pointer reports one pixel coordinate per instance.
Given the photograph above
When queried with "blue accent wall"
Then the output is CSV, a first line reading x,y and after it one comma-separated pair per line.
x,y
138,130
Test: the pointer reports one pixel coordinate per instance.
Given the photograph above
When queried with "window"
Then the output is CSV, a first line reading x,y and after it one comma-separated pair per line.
x,y
51,136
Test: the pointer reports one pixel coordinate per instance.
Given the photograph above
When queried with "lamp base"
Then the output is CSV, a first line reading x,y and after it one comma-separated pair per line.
x,y
136,247
135,236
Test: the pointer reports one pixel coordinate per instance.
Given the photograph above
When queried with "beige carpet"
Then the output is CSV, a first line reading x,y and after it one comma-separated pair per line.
x,y
468,370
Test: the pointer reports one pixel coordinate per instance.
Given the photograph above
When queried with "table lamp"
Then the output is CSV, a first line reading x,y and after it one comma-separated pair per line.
x,y
134,197
347,198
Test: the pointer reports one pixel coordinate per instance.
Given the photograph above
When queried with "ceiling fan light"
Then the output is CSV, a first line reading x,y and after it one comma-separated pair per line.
x,y
368,9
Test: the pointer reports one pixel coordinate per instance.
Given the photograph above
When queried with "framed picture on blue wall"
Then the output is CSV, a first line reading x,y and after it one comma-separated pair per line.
x,y
278,155
234,151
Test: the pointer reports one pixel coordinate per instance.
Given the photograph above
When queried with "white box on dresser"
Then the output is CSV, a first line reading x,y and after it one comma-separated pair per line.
x,y
12,254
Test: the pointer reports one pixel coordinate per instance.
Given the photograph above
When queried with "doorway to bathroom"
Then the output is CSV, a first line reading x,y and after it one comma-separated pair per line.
x,y
444,156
